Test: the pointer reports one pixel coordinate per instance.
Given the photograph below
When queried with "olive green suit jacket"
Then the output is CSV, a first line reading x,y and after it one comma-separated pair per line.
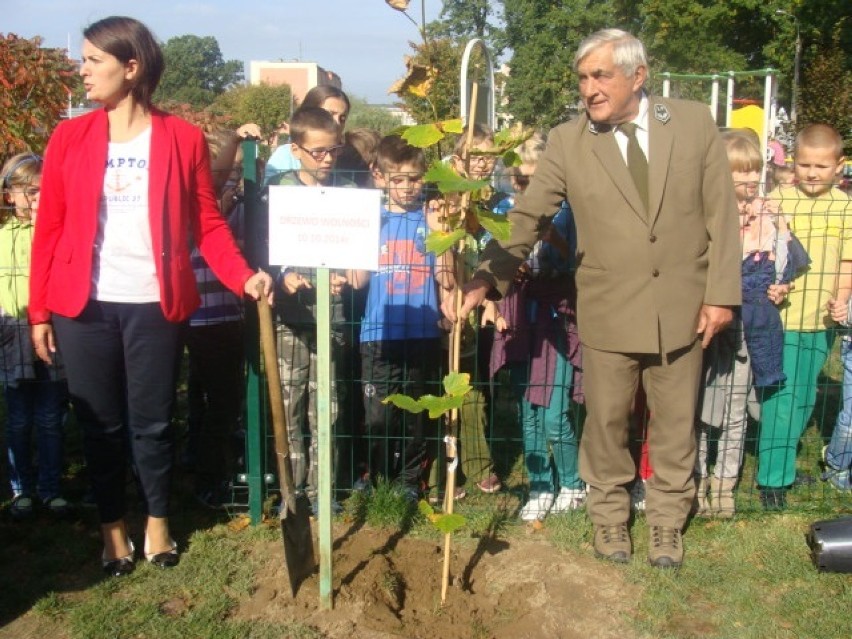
x,y
641,276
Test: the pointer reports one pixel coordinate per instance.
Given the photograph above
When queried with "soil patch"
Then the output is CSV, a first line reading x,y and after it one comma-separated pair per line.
x,y
387,586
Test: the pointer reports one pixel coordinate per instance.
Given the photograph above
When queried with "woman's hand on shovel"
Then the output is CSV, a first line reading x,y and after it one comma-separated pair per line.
x,y
260,285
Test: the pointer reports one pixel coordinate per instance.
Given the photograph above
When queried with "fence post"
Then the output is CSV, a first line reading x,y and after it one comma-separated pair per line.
x,y
254,399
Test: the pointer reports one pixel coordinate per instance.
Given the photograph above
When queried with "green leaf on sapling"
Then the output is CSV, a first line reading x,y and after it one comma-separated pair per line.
x,y
404,402
425,509
448,524
448,181
439,242
452,126
511,158
500,226
437,406
423,135
511,138
457,384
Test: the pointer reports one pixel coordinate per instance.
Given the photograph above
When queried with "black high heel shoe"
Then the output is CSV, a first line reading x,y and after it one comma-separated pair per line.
x,y
165,559
121,566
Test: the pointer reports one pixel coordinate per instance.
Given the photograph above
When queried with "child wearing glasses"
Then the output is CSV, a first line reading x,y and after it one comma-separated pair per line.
x,y
400,337
316,141
35,392
475,454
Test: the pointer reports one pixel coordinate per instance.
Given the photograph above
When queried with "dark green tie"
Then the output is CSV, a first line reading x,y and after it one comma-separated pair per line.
x,y
637,163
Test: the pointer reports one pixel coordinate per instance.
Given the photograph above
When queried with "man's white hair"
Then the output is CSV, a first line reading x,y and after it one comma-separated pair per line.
x,y
628,52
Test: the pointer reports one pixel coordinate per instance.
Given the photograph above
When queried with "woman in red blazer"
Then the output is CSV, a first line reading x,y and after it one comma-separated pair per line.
x,y
125,190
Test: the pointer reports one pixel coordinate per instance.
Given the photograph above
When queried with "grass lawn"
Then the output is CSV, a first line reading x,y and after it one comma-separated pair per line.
x,y
747,578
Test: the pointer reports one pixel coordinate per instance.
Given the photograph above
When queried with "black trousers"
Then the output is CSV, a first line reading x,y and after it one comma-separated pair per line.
x,y
396,438
120,363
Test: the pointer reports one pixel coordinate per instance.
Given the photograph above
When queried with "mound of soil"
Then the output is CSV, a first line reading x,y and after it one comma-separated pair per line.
x,y
386,585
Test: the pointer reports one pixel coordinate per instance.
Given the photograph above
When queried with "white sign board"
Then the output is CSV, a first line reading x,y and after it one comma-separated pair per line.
x,y
324,227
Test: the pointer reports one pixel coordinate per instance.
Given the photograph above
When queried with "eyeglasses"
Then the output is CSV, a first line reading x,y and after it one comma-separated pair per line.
x,y
483,159
318,155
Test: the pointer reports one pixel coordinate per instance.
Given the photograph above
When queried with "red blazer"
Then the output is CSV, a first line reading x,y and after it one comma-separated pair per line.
x,y
183,209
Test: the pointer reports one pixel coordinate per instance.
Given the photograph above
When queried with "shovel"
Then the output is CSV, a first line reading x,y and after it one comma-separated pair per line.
x,y
295,509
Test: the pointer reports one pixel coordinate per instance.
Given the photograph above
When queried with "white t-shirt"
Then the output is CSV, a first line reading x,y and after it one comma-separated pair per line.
x,y
123,267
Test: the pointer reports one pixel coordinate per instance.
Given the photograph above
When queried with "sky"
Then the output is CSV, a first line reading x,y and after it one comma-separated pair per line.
x,y
363,41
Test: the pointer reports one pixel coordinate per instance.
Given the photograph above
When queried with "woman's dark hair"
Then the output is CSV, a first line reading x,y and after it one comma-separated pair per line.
x,y
128,39
322,92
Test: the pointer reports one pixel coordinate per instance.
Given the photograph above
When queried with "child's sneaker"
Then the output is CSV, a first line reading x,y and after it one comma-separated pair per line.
x,y
490,484
839,479
58,506
569,499
637,496
22,507
459,493
537,507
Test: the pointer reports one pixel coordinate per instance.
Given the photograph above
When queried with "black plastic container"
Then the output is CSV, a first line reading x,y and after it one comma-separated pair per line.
x,y
831,544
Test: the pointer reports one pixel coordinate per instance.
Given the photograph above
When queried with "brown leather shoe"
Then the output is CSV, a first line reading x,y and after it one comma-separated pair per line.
x,y
665,547
612,542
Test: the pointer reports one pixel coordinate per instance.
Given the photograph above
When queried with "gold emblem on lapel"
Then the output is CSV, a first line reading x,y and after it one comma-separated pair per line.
x,y
661,113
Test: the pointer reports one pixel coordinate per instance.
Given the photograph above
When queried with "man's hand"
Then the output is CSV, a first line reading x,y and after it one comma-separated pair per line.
x,y
491,315
473,294
43,342
712,320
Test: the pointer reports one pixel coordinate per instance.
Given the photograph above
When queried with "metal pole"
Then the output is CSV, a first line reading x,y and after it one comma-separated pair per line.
x,y
324,434
714,97
729,99
794,109
489,76
794,99
768,100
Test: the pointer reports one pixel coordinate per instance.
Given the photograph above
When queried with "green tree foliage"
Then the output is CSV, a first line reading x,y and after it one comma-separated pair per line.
x,y
363,115
827,90
441,60
465,19
195,71
34,87
682,36
265,105
543,35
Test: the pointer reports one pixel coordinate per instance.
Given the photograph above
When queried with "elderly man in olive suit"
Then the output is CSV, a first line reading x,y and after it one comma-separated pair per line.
x,y
658,272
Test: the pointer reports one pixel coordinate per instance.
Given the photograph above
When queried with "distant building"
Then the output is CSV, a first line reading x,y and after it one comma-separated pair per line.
x,y
301,76
398,112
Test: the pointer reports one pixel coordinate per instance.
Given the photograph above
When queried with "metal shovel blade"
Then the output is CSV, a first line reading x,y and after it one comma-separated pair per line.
x,y
295,509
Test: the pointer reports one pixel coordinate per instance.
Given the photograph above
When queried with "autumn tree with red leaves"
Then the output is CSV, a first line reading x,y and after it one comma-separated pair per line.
x,y
34,88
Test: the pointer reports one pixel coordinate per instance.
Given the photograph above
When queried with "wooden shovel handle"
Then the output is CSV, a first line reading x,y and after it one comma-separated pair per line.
x,y
276,404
